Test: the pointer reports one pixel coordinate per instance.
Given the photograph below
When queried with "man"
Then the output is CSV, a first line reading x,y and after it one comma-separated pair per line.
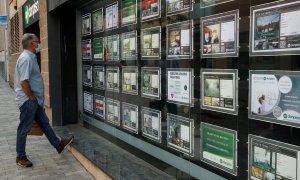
x,y
29,88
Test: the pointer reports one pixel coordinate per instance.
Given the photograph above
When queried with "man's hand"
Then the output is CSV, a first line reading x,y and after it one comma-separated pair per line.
x,y
32,98
27,90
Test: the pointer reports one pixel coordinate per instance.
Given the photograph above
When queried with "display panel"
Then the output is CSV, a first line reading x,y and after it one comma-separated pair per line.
x,y
151,86
86,24
150,9
130,80
99,102
150,43
130,119
129,12
111,16
88,102
112,79
219,90
129,46
219,147
269,159
87,75
98,20
180,40
207,3
111,48
178,6
274,97
113,111
86,50
180,86
220,35
274,29
151,124
98,48
99,77
181,134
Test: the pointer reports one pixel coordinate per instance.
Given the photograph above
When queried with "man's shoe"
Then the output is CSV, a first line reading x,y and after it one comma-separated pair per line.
x,y
64,143
23,162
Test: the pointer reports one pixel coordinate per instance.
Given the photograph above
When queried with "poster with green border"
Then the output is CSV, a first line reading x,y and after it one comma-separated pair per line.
x,y
98,20
128,11
218,147
98,48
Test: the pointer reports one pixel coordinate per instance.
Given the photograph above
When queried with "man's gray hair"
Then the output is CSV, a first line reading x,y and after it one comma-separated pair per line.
x,y
27,39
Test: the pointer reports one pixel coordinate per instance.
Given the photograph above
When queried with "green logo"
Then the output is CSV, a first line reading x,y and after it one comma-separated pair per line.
x,y
26,10
285,116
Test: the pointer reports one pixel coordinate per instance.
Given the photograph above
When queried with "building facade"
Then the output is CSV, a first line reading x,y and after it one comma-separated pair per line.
x,y
207,88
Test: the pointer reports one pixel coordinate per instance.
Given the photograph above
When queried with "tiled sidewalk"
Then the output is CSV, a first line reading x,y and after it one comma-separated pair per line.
x,y
47,164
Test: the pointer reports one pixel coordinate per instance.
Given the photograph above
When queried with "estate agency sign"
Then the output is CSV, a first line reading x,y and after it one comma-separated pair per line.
x,y
30,12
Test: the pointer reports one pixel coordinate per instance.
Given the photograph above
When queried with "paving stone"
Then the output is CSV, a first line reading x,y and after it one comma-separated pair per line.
x,y
47,164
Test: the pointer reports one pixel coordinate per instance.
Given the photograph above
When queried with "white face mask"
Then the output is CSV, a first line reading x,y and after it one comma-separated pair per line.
x,y
38,48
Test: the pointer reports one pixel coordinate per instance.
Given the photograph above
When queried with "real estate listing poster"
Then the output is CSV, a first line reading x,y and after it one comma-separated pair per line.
x,y
150,9
130,80
112,79
129,49
98,48
151,86
220,35
180,86
180,134
112,16
274,97
178,6
208,3
275,29
150,43
130,119
129,12
88,102
269,159
99,104
111,48
151,124
86,24
87,76
219,90
113,111
99,77
219,147
179,40
98,20
86,50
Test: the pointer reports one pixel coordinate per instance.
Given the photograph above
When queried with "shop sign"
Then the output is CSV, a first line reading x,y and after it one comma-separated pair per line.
x,y
30,12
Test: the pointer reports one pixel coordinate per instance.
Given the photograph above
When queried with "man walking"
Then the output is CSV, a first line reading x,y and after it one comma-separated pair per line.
x,y
29,88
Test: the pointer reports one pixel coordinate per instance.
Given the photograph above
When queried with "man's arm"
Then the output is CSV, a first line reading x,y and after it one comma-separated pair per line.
x,y
27,90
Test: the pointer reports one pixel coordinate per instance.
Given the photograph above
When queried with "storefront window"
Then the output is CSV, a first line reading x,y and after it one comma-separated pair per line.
x,y
198,81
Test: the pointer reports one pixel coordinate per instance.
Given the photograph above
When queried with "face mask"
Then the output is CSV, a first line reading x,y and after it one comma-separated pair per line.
x,y
38,48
